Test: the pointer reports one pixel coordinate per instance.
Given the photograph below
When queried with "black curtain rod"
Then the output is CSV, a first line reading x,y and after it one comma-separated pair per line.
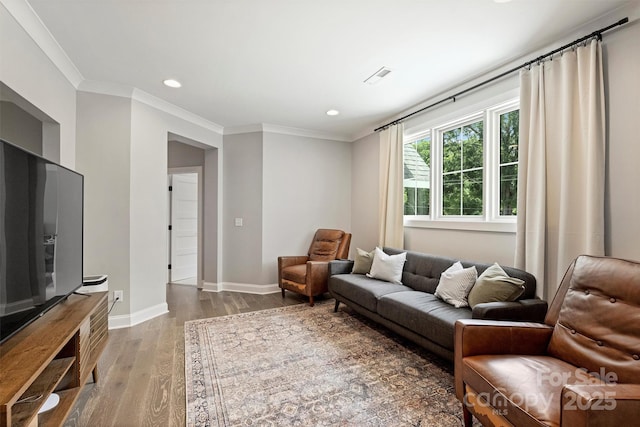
x,y
539,59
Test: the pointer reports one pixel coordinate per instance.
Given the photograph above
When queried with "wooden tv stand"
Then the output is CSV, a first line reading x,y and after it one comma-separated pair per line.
x,y
55,353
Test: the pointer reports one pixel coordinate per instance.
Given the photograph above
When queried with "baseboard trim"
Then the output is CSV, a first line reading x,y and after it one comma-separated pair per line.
x,y
246,288
128,320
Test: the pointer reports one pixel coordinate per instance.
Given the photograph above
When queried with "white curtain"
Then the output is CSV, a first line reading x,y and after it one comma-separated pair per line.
x,y
391,198
561,177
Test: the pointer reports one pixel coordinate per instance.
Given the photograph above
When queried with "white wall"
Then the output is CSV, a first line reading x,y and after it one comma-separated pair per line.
x,y
284,187
104,158
212,215
622,68
242,246
26,70
306,186
183,155
365,157
19,127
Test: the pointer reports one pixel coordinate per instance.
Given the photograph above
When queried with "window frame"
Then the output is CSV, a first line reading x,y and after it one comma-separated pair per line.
x,y
490,220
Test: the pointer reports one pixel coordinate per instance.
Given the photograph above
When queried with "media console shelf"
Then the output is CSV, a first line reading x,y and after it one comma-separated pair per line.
x,y
55,353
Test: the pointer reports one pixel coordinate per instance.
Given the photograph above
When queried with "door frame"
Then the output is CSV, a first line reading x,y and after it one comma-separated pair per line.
x,y
200,265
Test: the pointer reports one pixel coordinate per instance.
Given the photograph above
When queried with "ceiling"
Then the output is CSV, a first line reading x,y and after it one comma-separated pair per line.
x,y
286,62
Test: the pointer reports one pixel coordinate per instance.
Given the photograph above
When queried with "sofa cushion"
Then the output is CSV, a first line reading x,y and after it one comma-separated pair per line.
x,y
424,314
422,271
362,290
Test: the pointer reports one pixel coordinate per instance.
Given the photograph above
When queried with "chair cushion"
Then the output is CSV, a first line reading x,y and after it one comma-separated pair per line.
x,y
424,314
362,290
325,245
295,273
526,390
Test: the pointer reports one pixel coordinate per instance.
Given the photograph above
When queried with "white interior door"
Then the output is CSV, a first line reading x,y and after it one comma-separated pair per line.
x,y
184,226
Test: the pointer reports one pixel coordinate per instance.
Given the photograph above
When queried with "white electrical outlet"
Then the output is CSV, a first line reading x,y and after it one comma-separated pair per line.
x,y
118,296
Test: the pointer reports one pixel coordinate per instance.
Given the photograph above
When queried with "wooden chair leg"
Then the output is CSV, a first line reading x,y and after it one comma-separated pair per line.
x,y
467,417
335,309
282,289
311,300
94,373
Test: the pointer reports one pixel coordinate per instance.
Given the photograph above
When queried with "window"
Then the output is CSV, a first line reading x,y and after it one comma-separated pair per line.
x,y
417,175
462,166
509,126
465,170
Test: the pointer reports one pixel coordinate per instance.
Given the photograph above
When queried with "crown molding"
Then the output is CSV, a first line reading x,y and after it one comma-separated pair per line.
x,y
235,130
167,107
284,130
106,88
27,18
113,89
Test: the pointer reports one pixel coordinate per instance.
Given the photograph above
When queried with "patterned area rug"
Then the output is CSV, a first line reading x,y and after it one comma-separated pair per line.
x,y
308,366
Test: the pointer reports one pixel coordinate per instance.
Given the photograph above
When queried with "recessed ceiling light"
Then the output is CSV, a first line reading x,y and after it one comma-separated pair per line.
x,y
172,83
502,1
333,112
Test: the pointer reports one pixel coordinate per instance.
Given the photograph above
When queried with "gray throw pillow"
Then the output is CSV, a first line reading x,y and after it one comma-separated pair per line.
x,y
495,285
362,262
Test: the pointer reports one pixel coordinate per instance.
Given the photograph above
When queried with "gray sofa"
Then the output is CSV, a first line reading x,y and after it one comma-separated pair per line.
x,y
414,312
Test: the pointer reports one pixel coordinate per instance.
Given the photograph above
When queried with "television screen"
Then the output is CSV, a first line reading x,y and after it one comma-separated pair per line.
x,y
41,220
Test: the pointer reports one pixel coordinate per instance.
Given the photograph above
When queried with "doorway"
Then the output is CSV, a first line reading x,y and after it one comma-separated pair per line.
x,y
185,213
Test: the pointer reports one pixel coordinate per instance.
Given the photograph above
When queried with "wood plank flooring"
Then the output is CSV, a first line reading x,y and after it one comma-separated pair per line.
x,y
142,368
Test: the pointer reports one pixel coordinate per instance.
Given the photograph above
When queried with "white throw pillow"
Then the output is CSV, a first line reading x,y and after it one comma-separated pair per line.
x,y
387,267
455,284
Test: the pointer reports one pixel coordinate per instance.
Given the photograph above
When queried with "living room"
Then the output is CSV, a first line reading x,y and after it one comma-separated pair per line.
x,y
116,135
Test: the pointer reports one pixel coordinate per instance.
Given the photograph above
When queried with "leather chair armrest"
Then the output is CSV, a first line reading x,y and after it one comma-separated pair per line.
x,y
600,404
526,310
287,261
478,336
340,266
317,276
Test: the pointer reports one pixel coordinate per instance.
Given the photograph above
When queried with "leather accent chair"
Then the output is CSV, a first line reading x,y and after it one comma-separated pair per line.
x,y
581,367
308,274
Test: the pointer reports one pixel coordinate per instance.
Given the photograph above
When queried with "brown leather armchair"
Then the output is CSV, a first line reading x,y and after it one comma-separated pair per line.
x,y
308,274
581,367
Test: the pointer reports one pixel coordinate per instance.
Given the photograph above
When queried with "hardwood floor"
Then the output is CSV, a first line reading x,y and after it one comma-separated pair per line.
x,y
141,371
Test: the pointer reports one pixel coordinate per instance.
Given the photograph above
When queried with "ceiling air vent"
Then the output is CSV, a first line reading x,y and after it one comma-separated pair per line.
x,y
377,76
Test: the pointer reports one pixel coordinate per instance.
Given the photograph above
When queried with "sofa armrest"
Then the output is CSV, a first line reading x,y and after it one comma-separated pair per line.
x,y
340,266
477,337
600,404
526,310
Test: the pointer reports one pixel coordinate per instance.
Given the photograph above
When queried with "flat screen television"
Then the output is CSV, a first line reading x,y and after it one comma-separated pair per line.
x,y
41,223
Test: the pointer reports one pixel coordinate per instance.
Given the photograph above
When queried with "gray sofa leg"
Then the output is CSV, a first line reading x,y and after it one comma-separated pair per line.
x,y
335,309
